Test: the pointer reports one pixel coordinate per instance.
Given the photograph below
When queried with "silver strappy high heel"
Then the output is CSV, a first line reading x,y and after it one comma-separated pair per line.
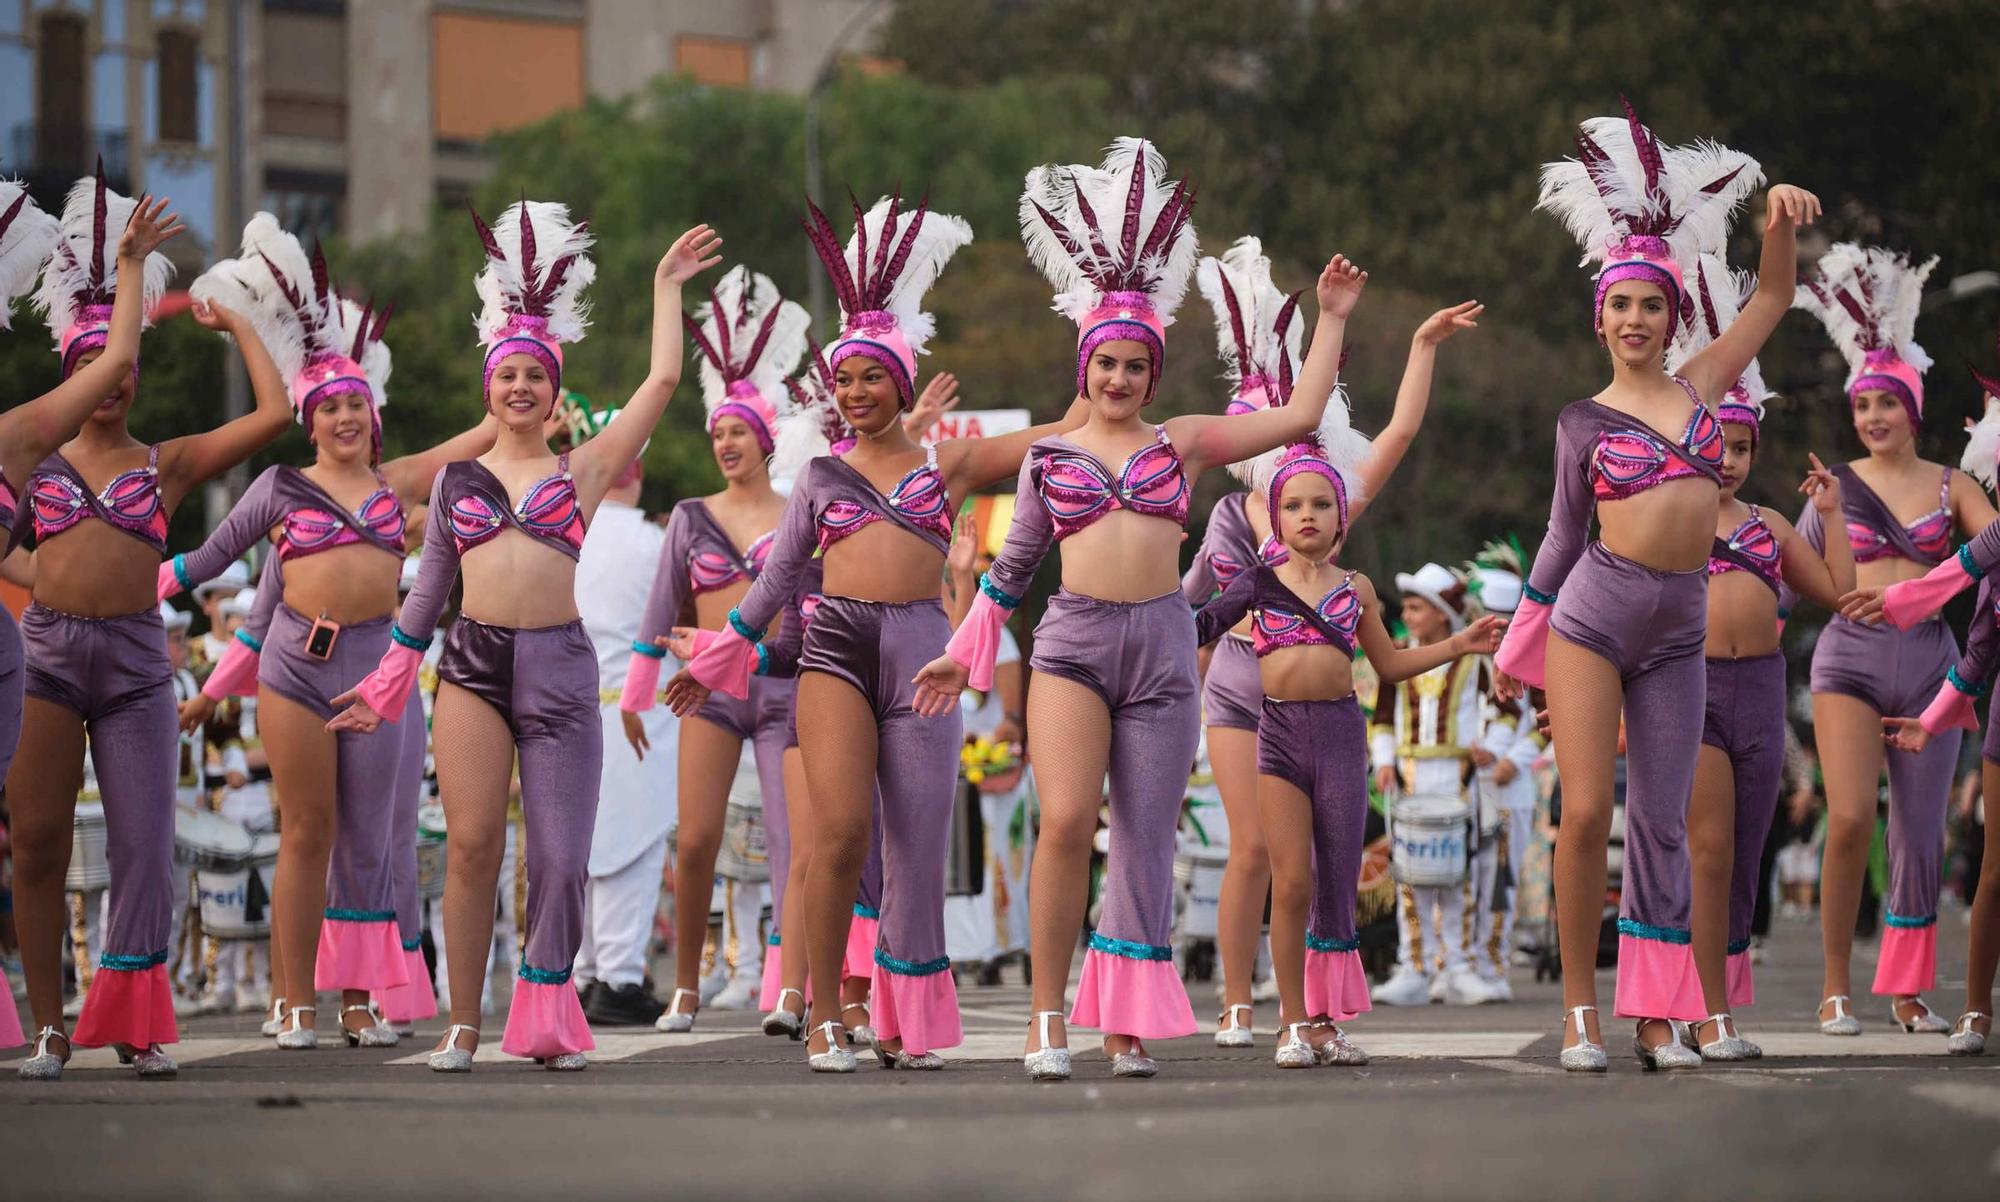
x,y
1046,1063
1231,1034
1133,1062
1671,1055
45,1065
376,1034
782,1021
1583,1056
297,1038
1927,1021
1842,1023
452,1058
1964,1041
673,1022
1296,1051
836,1059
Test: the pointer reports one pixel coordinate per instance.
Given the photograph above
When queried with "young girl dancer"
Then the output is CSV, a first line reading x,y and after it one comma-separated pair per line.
x,y
1645,456
880,517
96,654
1258,338
339,533
1868,299
1114,660
1742,755
519,674
750,338
1309,615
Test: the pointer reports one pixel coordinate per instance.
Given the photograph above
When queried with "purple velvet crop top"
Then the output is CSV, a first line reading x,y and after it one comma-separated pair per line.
x,y
480,508
60,499
308,519
1077,489
1930,534
1280,618
1626,462
919,496
1751,548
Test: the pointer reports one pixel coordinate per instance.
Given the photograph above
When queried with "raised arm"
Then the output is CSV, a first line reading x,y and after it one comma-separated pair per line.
x,y
1520,657
411,476
1820,577
186,462
1393,663
249,521
970,464
597,462
1722,363
1206,441
1413,399
28,433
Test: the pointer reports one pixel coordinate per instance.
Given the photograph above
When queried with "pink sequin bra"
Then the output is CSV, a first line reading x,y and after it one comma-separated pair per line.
x,y
1273,629
919,496
1751,547
1930,533
1627,462
709,570
1077,489
132,501
481,508
308,531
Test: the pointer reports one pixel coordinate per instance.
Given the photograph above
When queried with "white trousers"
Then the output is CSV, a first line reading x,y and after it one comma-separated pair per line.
x,y
618,912
1431,927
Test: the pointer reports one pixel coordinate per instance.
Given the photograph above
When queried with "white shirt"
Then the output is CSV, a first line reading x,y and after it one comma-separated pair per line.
x,y
614,575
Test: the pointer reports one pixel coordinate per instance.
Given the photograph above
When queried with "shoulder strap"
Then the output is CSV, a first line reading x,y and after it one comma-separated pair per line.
x,y
1944,490
930,456
153,460
562,464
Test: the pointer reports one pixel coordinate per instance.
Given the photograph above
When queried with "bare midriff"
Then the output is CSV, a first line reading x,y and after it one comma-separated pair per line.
x,y
1669,527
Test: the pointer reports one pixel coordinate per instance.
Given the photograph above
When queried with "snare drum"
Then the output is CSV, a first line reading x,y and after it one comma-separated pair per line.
x,y
236,903
430,850
209,841
89,866
743,857
1428,840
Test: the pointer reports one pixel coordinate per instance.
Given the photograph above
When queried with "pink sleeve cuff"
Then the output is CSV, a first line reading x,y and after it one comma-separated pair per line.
x,y
976,643
1526,644
1911,601
726,664
642,683
235,673
170,581
1950,710
387,688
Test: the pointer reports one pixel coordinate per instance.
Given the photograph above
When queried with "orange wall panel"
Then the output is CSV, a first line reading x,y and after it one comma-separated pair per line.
x,y
491,74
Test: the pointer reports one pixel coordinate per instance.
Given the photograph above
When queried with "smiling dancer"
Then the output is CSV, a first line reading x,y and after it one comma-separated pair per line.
x,y
519,675
1629,611
96,654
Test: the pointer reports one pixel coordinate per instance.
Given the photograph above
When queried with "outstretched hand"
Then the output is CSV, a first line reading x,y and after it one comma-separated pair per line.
x,y
691,254
1483,636
1866,605
1905,734
1790,203
939,397
1446,322
195,712
211,316
150,226
357,715
939,683
685,694
1339,288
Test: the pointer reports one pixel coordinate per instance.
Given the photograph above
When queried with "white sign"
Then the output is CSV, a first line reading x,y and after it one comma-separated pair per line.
x,y
977,423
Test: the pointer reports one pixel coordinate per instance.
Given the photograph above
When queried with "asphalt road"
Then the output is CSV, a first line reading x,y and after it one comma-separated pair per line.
x,y
1459,1103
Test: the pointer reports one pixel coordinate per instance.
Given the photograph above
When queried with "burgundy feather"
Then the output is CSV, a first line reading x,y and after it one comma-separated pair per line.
x,y
486,240
1244,366
1059,232
286,290
1862,318
319,276
901,258
1106,273
701,343
1158,238
888,236
360,344
13,211
528,272
756,351
1648,150
1135,200
816,356
825,244
1286,313
721,330
1723,182
1707,301
1597,165
98,218
381,322
861,248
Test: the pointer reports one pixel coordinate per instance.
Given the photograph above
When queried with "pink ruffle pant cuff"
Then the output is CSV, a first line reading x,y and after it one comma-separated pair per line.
x,y
127,1006
1336,985
545,1021
1657,979
1526,644
1908,964
413,1001
10,1016
360,953
859,962
1120,995
922,1011
1741,987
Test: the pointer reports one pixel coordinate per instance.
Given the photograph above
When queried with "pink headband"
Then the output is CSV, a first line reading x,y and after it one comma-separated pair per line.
x,y
327,377
1124,316
874,334
90,332
747,403
1885,370
1736,409
1641,257
524,334
1253,393
1300,458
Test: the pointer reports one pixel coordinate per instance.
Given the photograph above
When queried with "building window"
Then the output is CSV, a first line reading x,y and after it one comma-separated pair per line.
x,y
499,73
305,74
62,136
718,62
179,108
307,203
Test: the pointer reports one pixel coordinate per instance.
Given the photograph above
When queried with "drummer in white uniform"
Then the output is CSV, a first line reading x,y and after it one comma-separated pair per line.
x,y
1422,740
190,793
1511,744
635,806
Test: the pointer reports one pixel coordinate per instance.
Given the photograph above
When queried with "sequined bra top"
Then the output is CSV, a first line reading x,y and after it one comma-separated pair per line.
x,y
919,496
1272,629
1930,533
9,503
308,531
547,511
709,569
1077,489
132,501
1751,547
1626,462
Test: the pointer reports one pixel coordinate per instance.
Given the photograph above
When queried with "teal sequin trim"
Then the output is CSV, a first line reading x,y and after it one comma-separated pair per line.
x,y
1537,596
1315,943
1897,920
1966,561
870,912
397,635
737,624
649,650
542,976
414,945
912,968
998,595
1738,946
339,915
772,940
763,661
1643,930
131,963
1128,949
1958,682
249,640
181,573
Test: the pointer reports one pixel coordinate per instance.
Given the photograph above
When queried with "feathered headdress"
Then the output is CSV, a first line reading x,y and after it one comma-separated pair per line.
x,y
1503,554
1867,298
810,423
1257,331
750,339
322,344
1493,577
531,289
1644,211
890,262
1122,282
27,235
1335,450
1719,294
1989,385
1981,460
80,280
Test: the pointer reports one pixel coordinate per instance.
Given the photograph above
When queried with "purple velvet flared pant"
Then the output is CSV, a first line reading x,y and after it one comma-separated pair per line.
x,y
1746,722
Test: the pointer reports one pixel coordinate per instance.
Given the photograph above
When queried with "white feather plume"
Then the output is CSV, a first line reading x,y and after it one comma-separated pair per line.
x,y
24,246
1981,460
940,237
66,278
1340,444
746,299
374,358
1888,289
1080,273
1598,213
1719,293
806,411
506,282
1248,274
254,284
